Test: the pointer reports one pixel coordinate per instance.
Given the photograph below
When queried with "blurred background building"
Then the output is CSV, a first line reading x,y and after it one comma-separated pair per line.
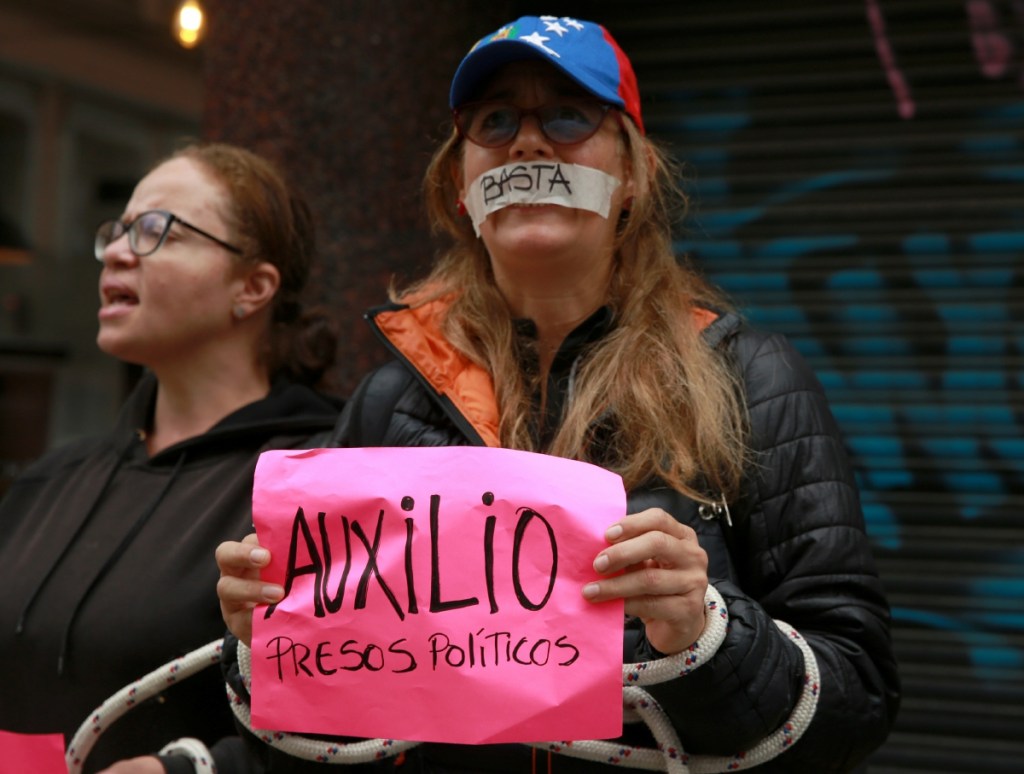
x,y
857,176
91,93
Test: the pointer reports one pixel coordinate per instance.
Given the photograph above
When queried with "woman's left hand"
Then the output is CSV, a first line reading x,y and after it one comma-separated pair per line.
x,y
664,574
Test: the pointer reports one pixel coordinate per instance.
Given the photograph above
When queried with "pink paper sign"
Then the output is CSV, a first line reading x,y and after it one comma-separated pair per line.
x,y
37,753
433,594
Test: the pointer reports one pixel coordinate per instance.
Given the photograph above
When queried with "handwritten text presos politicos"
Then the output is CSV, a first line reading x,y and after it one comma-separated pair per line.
x,y
311,554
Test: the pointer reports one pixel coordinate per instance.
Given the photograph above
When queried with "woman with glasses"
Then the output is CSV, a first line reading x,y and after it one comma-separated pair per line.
x,y
559,321
107,544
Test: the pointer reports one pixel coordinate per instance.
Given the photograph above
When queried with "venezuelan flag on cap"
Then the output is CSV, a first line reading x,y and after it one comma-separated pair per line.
x,y
585,51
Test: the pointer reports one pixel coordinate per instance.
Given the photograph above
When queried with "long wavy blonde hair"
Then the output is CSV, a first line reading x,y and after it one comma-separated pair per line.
x,y
660,403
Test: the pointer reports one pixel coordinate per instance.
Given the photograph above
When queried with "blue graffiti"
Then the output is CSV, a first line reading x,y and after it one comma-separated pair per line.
x,y
890,250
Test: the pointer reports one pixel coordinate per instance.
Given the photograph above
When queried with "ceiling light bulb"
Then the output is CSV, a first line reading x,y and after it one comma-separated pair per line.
x,y
189,23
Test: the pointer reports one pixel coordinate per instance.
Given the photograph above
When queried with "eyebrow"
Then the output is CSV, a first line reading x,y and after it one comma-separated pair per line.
x,y
131,215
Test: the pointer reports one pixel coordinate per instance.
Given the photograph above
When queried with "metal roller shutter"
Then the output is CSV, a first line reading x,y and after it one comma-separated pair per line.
x,y
857,169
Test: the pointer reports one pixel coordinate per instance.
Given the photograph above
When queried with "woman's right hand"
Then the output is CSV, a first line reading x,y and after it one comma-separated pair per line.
x,y
240,588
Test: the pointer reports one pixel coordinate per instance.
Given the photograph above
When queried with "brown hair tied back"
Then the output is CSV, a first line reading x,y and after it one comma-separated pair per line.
x,y
272,222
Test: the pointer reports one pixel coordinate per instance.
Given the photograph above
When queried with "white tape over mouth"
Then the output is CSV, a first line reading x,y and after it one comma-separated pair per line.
x,y
540,182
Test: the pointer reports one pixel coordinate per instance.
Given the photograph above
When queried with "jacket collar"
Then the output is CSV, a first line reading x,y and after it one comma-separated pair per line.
x,y
415,334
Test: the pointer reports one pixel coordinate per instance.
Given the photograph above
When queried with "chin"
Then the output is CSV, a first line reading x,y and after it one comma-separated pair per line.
x,y
540,244
114,346
532,234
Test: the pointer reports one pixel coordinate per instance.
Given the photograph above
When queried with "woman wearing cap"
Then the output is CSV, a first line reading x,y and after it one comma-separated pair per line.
x,y
107,543
559,321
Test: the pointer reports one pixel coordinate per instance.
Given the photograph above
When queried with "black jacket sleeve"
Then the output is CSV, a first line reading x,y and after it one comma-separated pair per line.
x,y
803,557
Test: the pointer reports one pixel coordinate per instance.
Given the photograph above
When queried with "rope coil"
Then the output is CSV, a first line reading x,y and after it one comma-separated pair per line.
x,y
134,694
638,706
195,751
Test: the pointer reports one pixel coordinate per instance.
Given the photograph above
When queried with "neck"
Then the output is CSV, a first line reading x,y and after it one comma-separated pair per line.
x,y
554,329
556,304
190,401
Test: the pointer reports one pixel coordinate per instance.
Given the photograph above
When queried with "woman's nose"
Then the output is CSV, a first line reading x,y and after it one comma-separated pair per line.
x,y
530,141
119,251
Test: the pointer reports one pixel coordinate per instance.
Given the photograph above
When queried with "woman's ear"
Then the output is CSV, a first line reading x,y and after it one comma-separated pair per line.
x,y
259,285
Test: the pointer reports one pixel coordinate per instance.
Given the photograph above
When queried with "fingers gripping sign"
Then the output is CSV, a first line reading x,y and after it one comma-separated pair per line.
x,y
240,588
656,565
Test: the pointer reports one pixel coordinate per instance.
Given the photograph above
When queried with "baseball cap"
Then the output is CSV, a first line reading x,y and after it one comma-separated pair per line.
x,y
585,51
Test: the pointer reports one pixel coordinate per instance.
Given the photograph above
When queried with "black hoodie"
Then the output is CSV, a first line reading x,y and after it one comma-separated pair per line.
x,y
108,570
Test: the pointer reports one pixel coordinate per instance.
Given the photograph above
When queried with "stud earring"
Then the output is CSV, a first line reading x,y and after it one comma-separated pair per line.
x,y
238,311
460,207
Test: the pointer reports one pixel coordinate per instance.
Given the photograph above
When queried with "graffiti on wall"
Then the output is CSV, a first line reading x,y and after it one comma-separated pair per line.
x,y
889,246
994,32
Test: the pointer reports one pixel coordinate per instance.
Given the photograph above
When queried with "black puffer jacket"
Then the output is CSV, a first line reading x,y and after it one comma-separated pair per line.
x,y
796,551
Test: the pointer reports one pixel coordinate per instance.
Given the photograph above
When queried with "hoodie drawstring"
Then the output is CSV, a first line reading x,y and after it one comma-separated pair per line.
x,y
20,626
112,559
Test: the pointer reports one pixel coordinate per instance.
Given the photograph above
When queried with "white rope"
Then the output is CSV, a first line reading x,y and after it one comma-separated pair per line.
x,y
638,706
133,694
638,703
363,751
193,749
661,670
784,737
670,750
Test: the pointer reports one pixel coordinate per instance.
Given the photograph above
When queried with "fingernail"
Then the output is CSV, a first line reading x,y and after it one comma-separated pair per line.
x,y
613,531
272,593
259,555
591,590
601,563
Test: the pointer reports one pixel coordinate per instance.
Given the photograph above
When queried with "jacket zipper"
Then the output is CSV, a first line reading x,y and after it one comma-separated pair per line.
x,y
715,510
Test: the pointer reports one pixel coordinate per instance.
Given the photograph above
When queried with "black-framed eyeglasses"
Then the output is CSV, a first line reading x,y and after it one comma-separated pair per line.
x,y
147,233
567,121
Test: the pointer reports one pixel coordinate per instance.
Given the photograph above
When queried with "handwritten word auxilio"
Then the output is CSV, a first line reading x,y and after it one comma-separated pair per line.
x,y
326,600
